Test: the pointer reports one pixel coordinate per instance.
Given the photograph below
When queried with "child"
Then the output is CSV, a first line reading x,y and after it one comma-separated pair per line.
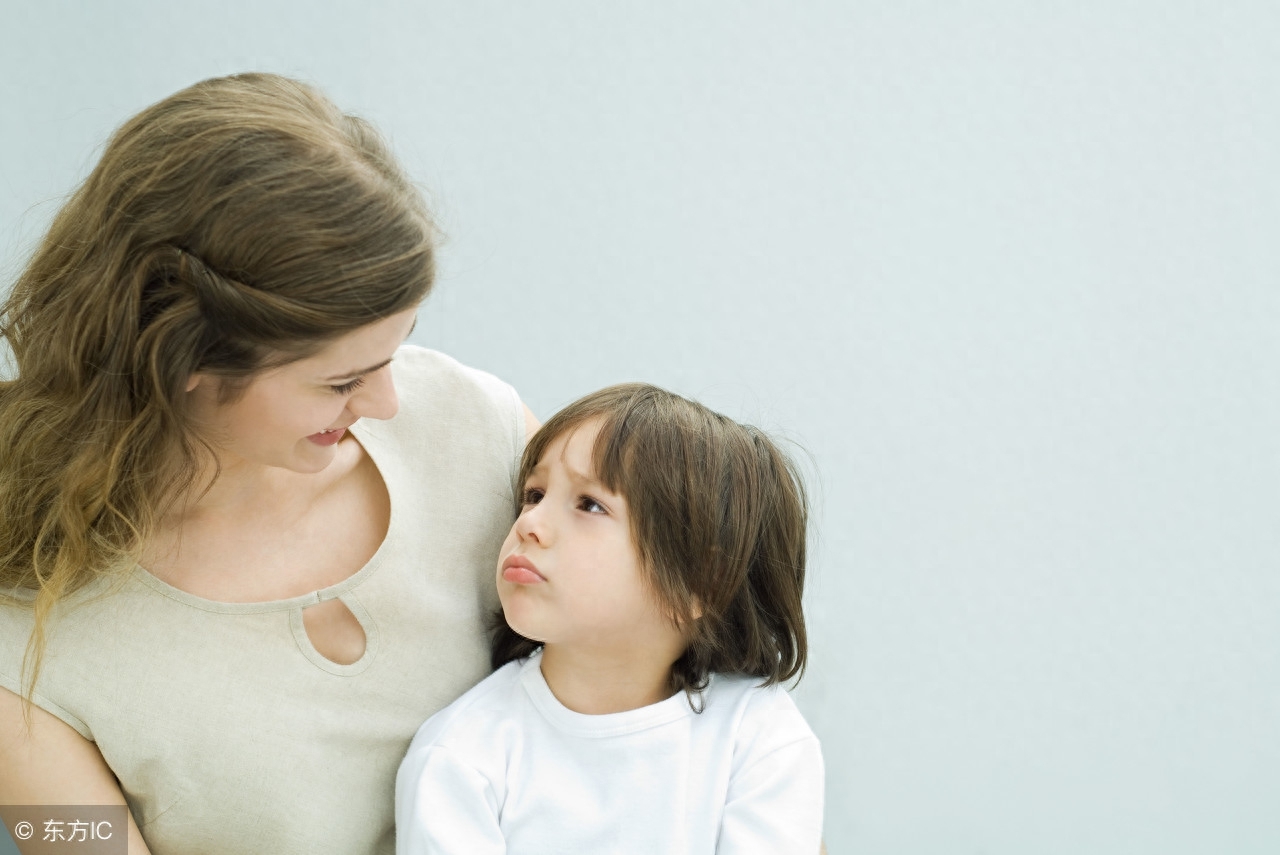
x,y
651,593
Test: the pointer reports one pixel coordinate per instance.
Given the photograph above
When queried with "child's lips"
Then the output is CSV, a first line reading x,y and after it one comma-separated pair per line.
x,y
521,571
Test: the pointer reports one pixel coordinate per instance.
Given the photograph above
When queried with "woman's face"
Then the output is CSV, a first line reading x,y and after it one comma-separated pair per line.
x,y
292,417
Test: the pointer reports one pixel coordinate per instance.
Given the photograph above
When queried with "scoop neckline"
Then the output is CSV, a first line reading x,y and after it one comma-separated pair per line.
x,y
360,432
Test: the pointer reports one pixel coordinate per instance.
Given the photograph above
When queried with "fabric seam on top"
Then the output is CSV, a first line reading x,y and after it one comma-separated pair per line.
x,y
50,706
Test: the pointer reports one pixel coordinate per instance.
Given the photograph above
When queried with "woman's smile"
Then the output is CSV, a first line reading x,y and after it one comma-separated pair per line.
x,y
327,437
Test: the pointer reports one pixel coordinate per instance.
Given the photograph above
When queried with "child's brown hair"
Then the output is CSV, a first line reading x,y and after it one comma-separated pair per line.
x,y
718,516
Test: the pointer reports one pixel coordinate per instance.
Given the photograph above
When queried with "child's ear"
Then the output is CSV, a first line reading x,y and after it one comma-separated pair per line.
x,y
693,615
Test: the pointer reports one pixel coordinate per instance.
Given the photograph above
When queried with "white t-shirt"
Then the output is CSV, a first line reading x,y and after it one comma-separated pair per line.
x,y
507,768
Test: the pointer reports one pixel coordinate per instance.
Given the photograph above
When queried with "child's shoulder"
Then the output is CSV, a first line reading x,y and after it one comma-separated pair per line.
x,y
467,744
765,713
480,708
744,689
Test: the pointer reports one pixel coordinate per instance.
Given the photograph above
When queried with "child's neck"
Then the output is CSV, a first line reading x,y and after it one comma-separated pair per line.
x,y
594,684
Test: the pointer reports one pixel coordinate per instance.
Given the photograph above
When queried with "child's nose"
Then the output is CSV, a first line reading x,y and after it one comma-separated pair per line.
x,y
530,525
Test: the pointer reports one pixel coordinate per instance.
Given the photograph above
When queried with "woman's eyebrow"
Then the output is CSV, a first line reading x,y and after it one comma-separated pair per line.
x,y
371,369
348,375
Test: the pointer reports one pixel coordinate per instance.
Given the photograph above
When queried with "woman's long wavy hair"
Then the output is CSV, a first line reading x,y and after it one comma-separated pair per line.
x,y
718,516
239,224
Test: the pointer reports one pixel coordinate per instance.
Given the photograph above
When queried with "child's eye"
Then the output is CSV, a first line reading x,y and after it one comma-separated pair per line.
x,y
531,496
349,386
591,506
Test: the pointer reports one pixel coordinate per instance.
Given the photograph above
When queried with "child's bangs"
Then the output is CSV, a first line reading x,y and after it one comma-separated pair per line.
x,y
614,454
622,413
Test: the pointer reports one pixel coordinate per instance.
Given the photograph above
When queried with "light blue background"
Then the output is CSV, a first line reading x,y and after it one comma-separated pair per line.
x,y
1008,270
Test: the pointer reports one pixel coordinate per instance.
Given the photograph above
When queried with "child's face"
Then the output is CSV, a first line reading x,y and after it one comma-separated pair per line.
x,y
569,573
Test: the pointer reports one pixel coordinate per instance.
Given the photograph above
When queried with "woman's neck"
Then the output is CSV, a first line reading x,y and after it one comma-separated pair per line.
x,y
232,486
595,683
264,533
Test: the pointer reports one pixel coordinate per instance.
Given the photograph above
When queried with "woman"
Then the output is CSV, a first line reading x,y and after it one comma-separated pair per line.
x,y
228,592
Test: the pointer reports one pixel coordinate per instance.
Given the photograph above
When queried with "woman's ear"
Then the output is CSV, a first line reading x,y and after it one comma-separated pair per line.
x,y
210,382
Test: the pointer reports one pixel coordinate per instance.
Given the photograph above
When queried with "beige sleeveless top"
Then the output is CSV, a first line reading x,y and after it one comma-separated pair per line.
x,y
228,731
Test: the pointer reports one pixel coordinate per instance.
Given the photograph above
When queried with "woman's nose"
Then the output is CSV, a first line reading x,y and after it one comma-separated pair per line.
x,y
377,398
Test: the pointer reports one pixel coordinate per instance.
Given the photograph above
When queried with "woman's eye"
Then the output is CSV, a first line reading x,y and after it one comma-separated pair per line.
x,y
350,386
531,496
590,505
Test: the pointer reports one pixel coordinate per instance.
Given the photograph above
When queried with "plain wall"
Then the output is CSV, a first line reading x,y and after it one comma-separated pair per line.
x,y
1008,272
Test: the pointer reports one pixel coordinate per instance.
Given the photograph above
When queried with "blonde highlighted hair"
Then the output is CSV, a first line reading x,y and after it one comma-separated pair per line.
x,y
238,224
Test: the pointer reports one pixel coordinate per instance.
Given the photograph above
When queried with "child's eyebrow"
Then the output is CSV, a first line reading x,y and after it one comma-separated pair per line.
x,y
586,479
578,476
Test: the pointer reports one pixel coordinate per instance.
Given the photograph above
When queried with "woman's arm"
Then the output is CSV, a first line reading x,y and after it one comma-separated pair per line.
x,y
51,764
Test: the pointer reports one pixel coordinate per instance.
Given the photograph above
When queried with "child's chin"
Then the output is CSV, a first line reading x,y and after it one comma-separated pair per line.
x,y
521,627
